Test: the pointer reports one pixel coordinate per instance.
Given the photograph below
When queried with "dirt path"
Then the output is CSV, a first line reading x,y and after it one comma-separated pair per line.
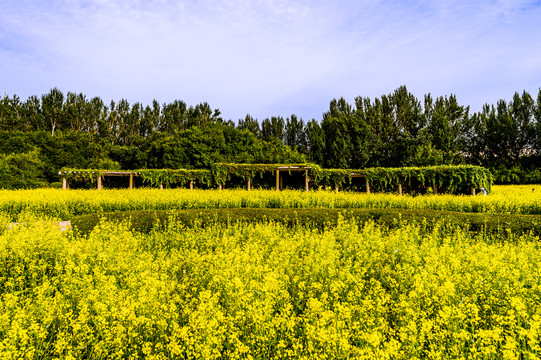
x,y
62,225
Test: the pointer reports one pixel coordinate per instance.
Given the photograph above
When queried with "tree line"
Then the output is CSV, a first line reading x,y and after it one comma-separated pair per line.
x,y
393,130
398,129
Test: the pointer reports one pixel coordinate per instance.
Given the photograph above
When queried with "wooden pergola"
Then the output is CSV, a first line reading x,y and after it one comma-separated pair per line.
x,y
131,175
279,177
279,174
221,173
400,190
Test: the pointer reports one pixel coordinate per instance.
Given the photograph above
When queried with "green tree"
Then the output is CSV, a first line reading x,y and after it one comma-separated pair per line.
x,y
520,126
173,118
21,171
150,119
273,129
77,113
316,142
34,120
363,132
203,116
408,122
338,142
250,124
11,113
537,126
52,105
118,121
98,112
446,124
295,134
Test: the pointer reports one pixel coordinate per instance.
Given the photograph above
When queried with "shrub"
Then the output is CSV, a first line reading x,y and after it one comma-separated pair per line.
x,y
145,221
56,185
21,171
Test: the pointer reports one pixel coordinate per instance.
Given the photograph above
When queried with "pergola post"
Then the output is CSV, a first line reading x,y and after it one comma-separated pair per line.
x,y
64,183
99,182
306,181
473,190
191,184
367,187
161,186
400,189
131,181
277,180
249,184
435,188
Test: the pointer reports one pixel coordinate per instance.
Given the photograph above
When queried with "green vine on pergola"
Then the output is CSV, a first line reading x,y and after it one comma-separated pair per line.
x,y
178,176
153,177
222,172
330,177
449,179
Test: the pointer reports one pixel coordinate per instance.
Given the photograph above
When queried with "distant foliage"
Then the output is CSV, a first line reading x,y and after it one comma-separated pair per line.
x,y
393,130
21,171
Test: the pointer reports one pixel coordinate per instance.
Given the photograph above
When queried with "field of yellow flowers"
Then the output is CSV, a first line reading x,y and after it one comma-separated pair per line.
x,y
266,291
66,204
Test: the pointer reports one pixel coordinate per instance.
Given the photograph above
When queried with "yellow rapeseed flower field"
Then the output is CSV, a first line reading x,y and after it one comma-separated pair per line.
x,y
66,204
265,291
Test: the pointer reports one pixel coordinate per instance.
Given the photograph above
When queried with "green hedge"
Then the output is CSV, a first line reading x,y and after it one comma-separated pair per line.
x,y
145,221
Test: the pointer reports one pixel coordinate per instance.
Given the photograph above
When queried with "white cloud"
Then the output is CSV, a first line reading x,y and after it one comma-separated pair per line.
x,y
269,57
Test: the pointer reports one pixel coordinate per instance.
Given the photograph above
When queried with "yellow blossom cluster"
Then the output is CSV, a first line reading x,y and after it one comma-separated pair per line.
x,y
265,291
66,204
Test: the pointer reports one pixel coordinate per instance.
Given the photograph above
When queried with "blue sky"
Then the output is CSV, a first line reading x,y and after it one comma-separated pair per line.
x,y
270,57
